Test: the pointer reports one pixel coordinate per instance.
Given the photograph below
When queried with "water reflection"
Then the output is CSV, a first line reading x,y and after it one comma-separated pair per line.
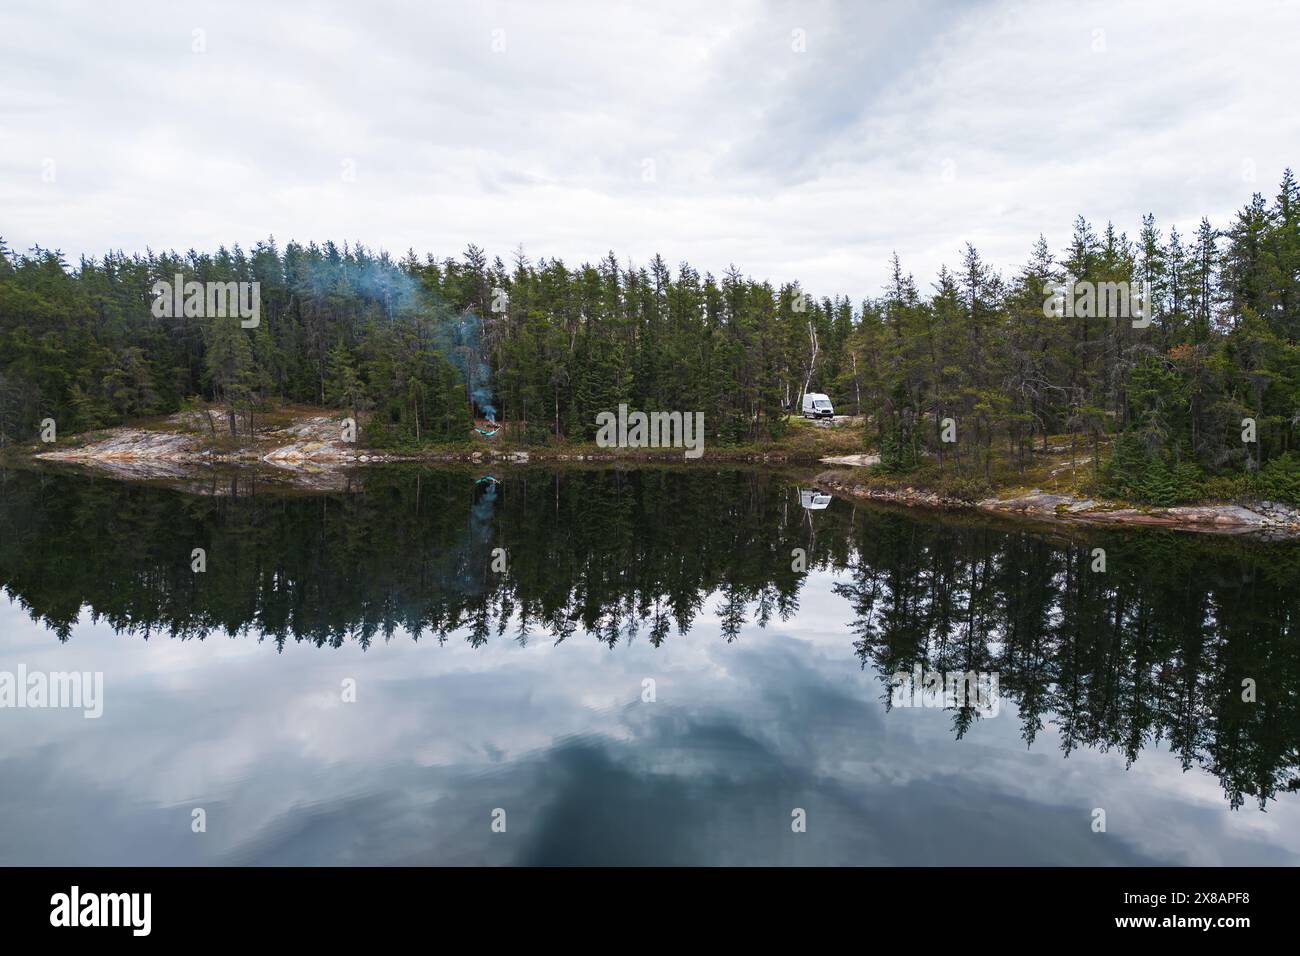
x,y
1149,654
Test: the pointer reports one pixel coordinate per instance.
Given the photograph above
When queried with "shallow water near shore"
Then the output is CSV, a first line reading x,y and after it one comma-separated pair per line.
x,y
565,666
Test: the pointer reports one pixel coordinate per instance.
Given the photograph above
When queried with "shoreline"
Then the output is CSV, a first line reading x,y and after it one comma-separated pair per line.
x,y
1261,519
298,438
305,451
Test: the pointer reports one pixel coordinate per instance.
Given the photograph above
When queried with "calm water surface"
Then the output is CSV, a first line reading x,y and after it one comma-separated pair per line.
x,y
524,690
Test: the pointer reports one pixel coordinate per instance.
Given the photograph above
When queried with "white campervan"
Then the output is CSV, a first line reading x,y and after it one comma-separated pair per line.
x,y
813,499
817,405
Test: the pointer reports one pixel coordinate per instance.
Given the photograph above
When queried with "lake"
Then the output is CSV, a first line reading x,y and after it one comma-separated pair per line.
x,y
668,665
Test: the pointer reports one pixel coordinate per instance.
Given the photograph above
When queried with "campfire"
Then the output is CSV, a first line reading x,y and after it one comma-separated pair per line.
x,y
487,427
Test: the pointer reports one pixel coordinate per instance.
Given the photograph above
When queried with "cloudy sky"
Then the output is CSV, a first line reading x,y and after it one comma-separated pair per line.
x,y
799,141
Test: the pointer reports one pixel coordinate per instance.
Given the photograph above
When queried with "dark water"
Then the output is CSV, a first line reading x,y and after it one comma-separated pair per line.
x,y
522,695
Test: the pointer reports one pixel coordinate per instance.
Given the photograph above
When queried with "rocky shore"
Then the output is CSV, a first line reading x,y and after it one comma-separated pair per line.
x,y
1263,518
307,450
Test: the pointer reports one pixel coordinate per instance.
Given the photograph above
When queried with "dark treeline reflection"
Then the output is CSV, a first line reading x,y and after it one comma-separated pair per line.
x,y
1155,648
605,552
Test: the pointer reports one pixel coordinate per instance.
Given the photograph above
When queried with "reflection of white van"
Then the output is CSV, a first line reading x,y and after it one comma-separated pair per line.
x,y
813,500
817,405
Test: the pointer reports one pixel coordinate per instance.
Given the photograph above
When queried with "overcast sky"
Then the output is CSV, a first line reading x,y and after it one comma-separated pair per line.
x,y
799,141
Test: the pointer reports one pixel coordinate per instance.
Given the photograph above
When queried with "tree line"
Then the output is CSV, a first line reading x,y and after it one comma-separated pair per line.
x,y
424,346
1219,347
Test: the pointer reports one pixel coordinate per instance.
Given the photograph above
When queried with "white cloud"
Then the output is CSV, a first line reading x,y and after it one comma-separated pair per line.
x,y
912,129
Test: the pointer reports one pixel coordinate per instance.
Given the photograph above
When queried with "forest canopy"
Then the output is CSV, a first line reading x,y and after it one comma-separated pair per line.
x,y
420,347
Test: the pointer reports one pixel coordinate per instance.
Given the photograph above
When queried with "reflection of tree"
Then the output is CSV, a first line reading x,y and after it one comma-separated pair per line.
x,y
600,552
1153,649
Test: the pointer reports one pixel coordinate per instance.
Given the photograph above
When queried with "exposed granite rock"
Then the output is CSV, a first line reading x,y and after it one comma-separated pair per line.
x,y
128,444
1268,519
1036,503
857,461
304,451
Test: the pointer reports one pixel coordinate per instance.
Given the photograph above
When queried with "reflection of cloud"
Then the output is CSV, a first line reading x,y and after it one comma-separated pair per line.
x,y
557,736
